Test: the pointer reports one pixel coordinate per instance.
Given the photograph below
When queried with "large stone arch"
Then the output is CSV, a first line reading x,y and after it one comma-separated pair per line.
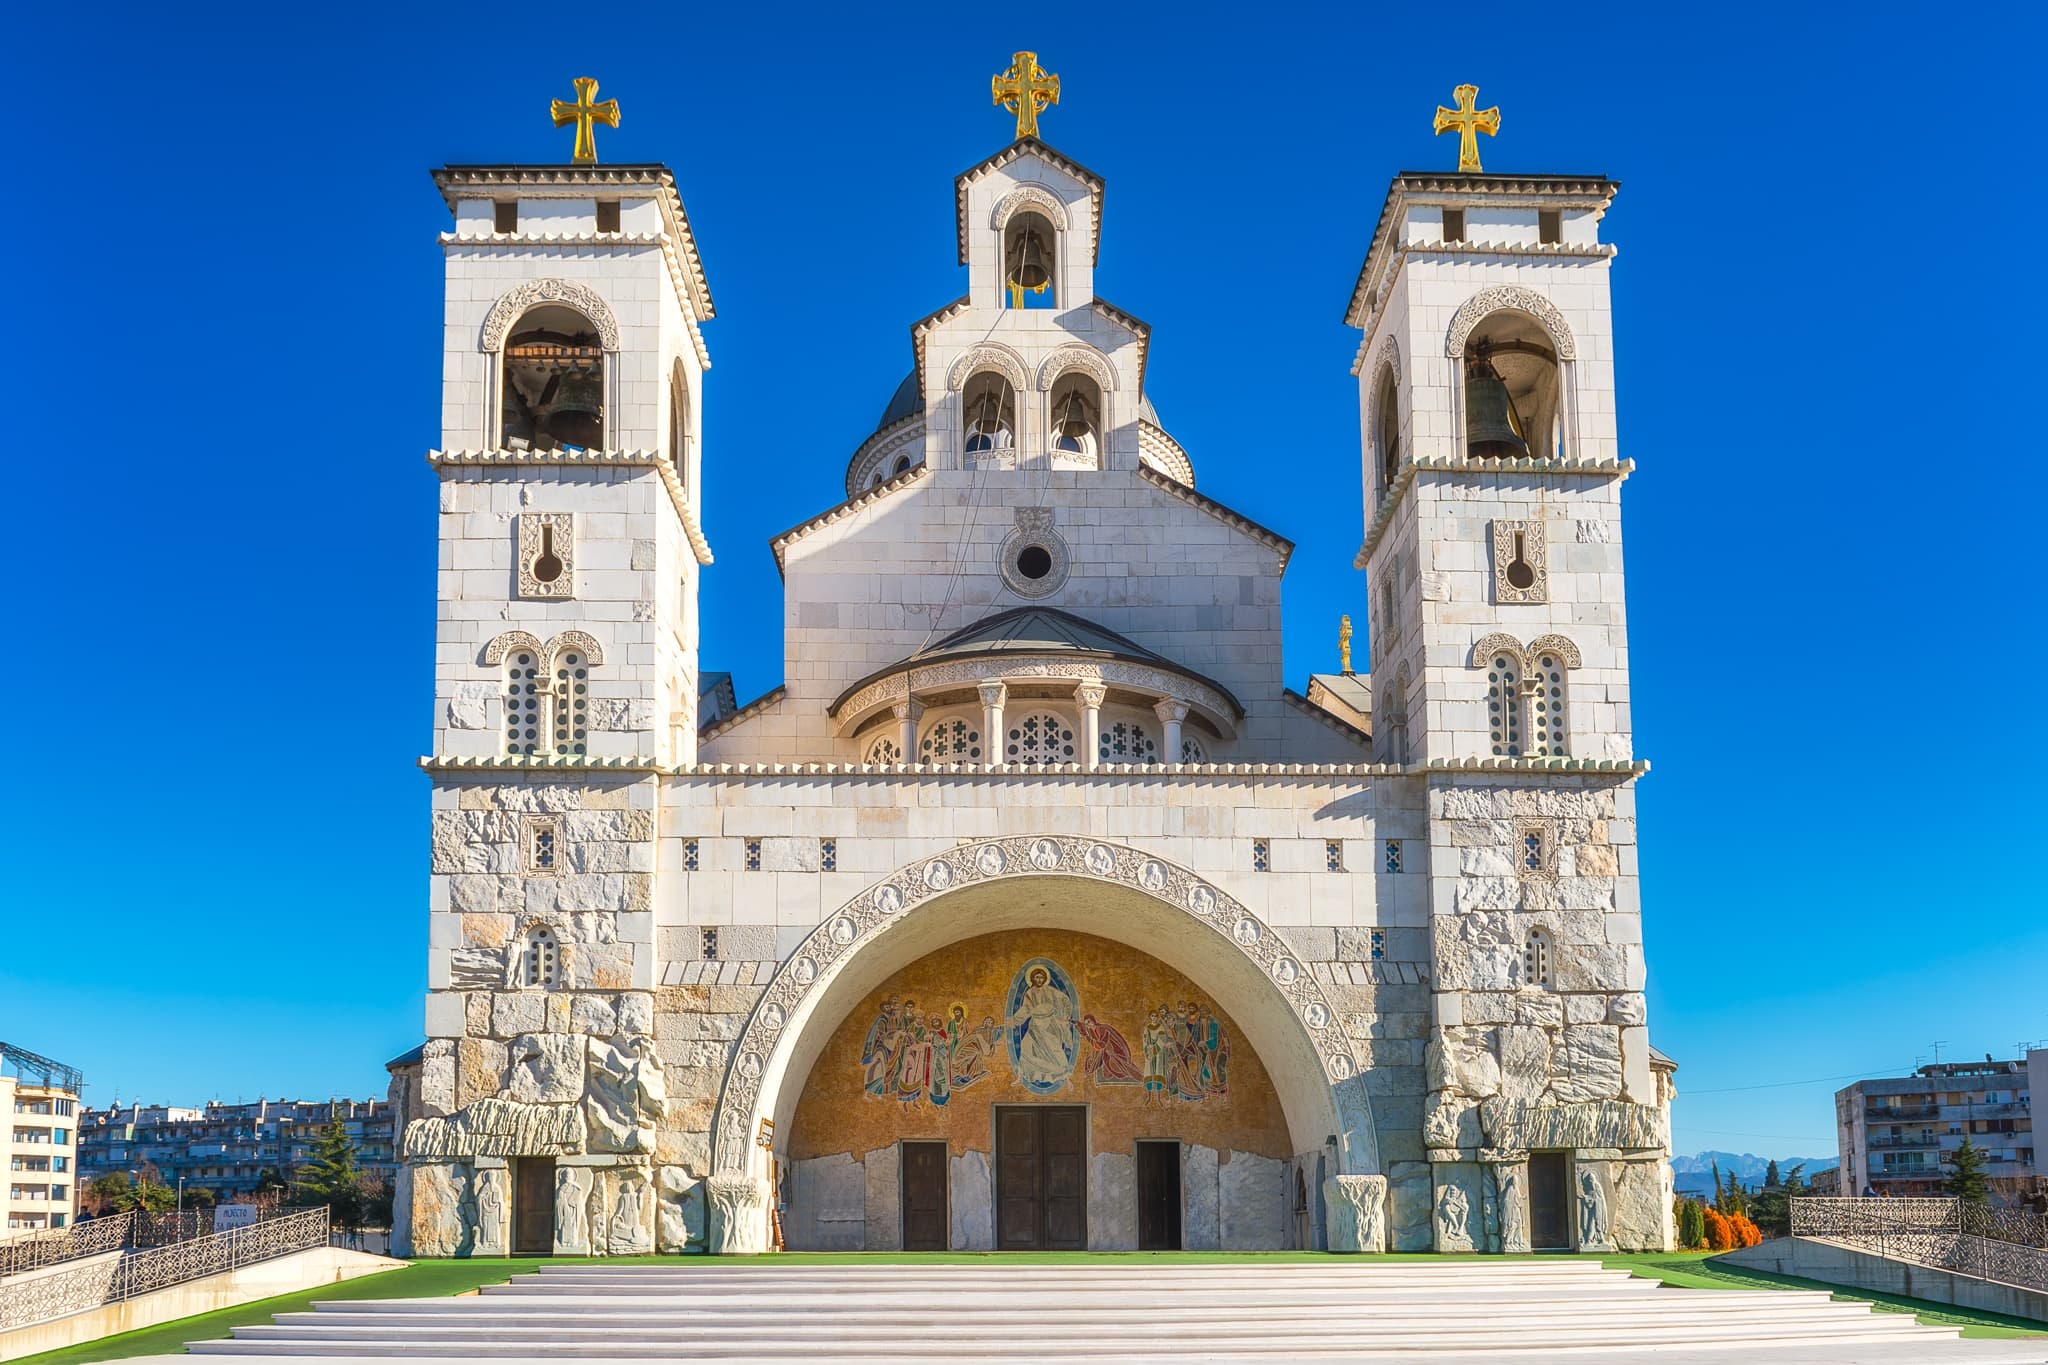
x,y
1056,882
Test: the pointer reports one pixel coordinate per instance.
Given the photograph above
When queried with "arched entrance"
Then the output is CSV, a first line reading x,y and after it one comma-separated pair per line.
x,y
1041,882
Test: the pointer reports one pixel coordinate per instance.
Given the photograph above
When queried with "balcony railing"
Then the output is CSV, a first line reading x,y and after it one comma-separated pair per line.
x,y
2007,1245
64,1244
1925,1140
1878,1113
1928,1172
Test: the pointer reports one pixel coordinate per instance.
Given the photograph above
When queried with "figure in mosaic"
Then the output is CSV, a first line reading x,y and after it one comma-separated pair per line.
x,y
1109,1056
1042,1018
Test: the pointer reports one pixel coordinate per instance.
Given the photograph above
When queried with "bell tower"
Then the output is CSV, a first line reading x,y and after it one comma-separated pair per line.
x,y
1492,554
570,464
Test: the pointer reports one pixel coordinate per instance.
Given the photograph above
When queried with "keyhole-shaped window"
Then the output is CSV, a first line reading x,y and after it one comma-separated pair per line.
x,y
572,702
540,959
989,418
547,565
1029,262
1520,572
1504,704
522,702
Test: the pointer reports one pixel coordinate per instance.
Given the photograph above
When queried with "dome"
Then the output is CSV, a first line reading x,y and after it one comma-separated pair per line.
x,y
902,403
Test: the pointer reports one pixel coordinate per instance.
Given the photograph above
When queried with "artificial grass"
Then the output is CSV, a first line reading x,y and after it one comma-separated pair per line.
x,y
434,1279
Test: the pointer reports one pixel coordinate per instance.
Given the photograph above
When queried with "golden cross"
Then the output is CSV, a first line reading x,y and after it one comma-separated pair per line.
x,y
585,113
1469,123
1025,90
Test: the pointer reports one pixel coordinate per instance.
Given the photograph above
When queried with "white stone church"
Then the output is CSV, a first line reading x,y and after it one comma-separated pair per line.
x,y
1033,909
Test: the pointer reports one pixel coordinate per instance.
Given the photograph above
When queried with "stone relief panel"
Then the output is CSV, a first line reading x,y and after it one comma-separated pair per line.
x,y
547,554
1521,562
1357,1207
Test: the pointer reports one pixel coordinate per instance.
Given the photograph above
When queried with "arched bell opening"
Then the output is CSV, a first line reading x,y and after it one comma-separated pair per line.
x,y
552,388
988,420
1512,390
679,418
1386,429
1029,262
1076,425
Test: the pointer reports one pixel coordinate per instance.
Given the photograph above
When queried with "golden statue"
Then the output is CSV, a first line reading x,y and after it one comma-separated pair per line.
x,y
585,113
1468,123
1025,89
1344,642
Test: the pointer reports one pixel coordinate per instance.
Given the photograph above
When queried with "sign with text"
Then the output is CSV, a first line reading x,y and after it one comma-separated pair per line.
x,y
229,1216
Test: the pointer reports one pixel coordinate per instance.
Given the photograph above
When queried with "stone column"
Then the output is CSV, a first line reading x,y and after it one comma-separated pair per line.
x,y
908,712
993,694
1091,696
1171,713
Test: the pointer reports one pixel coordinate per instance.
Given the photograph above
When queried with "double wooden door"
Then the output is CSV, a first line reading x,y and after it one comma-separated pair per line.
x,y
1041,1177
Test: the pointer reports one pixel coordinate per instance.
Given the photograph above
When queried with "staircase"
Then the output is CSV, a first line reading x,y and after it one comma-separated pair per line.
x,y
1115,1312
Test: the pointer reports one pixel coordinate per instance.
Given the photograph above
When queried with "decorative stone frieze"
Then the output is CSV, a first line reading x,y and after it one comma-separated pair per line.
x,y
497,1127
1487,302
512,306
1523,1125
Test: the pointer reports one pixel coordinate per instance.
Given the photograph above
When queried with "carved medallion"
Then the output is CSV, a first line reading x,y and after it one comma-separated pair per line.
x,y
1286,970
1316,1015
774,1016
1045,855
804,970
889,900
842,930
938,874
1152,876
1101,859
1201,899
990,861
1246,932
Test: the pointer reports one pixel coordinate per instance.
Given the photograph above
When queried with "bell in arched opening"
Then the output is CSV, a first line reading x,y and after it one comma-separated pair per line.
x,y
1493,429
553,382
1076,423
1027,260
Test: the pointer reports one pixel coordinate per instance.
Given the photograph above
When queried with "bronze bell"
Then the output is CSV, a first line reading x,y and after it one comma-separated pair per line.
x,y
576,409
1493,429
1028,268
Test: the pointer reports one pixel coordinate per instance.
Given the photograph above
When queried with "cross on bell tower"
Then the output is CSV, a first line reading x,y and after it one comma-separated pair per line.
x,y
1468,123
1025,90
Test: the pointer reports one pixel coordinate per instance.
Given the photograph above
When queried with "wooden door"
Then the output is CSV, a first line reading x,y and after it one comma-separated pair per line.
x,y
1549,1217
1159,1196
533,1206
924,1196
1041,1178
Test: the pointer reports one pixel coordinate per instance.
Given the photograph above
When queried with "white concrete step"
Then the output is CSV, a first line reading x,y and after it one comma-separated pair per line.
x,y
1110,1313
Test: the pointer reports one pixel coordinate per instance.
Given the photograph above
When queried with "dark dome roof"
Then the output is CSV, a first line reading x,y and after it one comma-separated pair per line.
x,y
906,401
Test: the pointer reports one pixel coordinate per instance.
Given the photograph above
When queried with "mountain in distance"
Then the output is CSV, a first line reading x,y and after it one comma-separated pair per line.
x,y
1694,1174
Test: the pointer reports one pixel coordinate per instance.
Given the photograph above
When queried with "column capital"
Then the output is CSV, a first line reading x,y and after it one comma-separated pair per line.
x,y
910,708
1170,710
993,693
1091,695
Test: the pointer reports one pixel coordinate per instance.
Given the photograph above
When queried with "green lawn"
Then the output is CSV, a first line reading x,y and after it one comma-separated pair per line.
x,y
427,1279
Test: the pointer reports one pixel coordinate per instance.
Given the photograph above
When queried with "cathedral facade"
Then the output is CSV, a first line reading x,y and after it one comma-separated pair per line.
x,y
1033,909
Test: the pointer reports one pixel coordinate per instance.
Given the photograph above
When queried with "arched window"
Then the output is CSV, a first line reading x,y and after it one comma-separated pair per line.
x,y
950,741
522,702
552,394
1504,703
1039,737
1076,422
1511,389
1547,703
1191,750
1386,430
883,749
540,959
988,412
1126,741
1395,728
1536,956
1028,262
572,701
679,423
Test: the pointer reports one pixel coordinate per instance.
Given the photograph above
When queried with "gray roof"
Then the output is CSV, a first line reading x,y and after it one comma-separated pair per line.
x,y
1352,689
907,401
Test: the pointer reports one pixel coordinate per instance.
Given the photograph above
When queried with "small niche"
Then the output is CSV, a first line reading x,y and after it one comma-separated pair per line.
x,y
1549,226
1454,225
607,215
505,215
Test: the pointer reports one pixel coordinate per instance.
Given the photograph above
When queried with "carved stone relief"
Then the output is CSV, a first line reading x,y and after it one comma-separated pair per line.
x,y
494,1127
1453,1219
547,554
1486,302
572,1211
492,1234
737,1225
510,308
1357,1207
1521,562
627,1095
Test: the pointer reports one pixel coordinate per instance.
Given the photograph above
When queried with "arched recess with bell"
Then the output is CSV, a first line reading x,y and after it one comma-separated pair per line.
x,y
1530,325
1089,886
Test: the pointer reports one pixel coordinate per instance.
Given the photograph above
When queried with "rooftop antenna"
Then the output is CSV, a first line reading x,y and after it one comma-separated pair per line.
x,y
1938,1044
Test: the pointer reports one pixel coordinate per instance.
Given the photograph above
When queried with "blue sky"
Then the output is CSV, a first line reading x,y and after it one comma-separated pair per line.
x,y
225,293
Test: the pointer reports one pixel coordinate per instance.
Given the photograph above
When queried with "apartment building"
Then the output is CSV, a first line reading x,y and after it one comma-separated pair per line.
x,y
227,1147
39,1104
1894,1133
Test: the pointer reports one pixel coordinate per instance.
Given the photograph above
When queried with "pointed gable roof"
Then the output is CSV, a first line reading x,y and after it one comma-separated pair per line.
x,y
1024,146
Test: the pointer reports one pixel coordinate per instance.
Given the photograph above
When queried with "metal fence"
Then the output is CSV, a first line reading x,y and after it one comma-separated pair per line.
x,y
33,1250
75,1291
2003,1244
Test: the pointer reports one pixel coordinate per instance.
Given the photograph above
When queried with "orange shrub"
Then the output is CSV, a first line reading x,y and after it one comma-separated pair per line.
x,y
1747,1233
1720,1233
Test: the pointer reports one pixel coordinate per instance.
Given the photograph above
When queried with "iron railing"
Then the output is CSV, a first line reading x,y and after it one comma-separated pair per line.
x,y
30,1251
75,1291
2004,1244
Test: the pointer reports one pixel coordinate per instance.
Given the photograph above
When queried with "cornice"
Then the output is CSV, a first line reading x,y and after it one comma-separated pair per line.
x,y
597,241
1460,464
585,459
1109,773
760,703
1137,327
846,509
878,447
1154,440
1317,713
564,182
924,327
1273,540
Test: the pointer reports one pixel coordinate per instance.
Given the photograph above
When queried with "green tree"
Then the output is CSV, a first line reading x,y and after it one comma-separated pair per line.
x,y
1771,1174
104,1193
1967,1180
1692,1223
333,1178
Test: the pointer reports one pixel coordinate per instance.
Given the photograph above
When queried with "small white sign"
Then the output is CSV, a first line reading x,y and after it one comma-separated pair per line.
x,y
229,1216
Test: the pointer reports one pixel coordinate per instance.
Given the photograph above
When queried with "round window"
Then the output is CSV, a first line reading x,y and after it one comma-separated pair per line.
x,y
1034,562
